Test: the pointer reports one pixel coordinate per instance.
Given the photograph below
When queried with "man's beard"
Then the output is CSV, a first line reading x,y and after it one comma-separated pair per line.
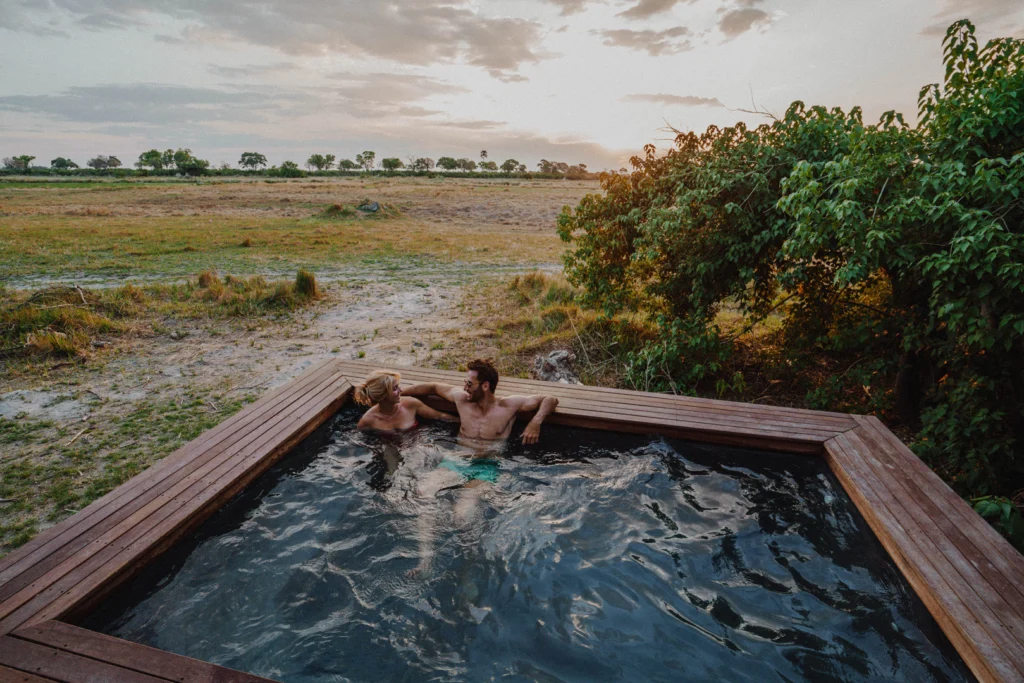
x,y
477,395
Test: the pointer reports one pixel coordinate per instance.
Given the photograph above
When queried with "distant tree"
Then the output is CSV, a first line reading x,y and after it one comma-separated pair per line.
x,y
98,162
316,161
488,165
113,162
62,164
167,158
181,157
422,164
510,166
252,160
576,172
483,155
329,161
545,166
467,165
152,159
188,164
348,165
366,159
225,166
522,168
20,163
392,164
290,169
447,163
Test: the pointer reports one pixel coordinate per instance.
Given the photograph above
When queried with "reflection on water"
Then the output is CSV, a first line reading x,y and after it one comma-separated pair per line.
x,y
593,557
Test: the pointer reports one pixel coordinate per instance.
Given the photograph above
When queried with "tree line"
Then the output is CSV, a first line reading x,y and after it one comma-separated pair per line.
x,y
183,162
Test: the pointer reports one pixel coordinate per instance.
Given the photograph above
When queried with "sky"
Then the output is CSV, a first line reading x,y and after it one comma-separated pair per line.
x,y
579,81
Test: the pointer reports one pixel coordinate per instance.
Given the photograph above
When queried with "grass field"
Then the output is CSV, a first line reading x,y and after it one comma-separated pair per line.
x,y
186,308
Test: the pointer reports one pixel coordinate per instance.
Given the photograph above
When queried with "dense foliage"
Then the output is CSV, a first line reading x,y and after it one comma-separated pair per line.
x,y
890,254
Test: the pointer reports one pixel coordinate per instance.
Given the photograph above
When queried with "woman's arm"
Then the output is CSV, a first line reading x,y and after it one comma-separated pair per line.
x,y
428,413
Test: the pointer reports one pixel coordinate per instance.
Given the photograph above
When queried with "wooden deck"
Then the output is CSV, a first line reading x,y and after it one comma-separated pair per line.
x,y
969,577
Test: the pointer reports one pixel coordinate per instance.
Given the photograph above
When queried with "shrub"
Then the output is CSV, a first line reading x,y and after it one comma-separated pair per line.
x,y
892,257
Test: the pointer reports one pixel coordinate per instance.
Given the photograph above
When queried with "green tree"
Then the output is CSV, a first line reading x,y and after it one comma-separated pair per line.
x,y
62,164
98,162
366,160
167,158
316,161
422,164
392,164
488,166
152,159
252,160
467,165
290,169
348,165
510,166
447,163
483,155
113,162
188,164
890,258
329,161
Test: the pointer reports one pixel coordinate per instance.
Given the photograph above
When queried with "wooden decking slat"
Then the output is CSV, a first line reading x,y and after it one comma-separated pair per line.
x,y
80,531
975,588
127,655
947,598
15,676
620,397
994,548
64,666
142,531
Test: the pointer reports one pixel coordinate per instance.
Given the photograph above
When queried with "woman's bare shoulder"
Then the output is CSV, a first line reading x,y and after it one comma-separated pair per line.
x,y
411,402
368,418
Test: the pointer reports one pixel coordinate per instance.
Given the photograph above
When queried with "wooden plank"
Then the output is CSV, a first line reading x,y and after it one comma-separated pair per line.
x,y
996,550
177,458
44,544
14,676
124,549
80,531
127,655
49,662
622,398
900,536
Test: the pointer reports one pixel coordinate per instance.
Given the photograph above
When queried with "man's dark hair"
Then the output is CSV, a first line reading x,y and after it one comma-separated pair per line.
x,y
485,372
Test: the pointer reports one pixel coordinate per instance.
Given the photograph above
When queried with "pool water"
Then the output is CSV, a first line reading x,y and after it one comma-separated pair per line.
x,y
593,557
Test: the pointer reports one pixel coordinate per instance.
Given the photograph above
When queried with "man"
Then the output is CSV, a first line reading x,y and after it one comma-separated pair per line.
x,y
485,417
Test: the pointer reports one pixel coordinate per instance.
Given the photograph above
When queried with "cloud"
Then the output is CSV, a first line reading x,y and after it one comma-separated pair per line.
x,y
385,89
1005,16
570,6
670,41
737,21
157,105
675,100
473,125
406,31
645,9
250,70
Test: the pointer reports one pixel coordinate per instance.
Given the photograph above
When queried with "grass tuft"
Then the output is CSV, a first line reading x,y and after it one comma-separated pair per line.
x,y
305,285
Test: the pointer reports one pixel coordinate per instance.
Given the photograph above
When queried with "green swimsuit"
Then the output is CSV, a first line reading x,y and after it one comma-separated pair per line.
x,y
483,469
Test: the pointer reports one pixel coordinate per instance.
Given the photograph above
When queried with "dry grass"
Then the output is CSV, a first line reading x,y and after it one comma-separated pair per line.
x,y
174,229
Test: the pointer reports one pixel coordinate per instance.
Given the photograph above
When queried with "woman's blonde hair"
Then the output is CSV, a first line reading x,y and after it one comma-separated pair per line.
x,y
378,385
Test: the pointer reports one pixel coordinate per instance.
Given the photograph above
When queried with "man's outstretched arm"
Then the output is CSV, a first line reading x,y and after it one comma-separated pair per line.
x,y
544,405
446,391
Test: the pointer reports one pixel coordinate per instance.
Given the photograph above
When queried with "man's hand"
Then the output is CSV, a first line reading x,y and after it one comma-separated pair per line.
x,y
532,432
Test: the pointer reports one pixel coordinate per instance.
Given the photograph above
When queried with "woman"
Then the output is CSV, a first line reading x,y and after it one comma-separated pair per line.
x,y
390,411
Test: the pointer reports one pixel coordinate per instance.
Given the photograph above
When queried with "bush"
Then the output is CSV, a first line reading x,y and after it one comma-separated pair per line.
x,y
305,285
891,256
